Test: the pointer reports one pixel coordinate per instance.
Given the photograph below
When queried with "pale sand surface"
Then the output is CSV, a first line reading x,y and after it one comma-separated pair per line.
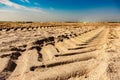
x,y
59,51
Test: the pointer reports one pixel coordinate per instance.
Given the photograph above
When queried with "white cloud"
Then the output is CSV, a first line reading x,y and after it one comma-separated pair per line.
x,y
18,6
11,4
25,1
21,15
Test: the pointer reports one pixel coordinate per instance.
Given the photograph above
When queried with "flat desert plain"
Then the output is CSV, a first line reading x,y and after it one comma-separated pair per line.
x,y
59,51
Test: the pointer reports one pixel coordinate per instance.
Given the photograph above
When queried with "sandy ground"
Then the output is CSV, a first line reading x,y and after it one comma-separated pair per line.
x,y
60,53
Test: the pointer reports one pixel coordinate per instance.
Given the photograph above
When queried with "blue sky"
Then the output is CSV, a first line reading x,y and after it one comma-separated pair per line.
x,y
60,10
